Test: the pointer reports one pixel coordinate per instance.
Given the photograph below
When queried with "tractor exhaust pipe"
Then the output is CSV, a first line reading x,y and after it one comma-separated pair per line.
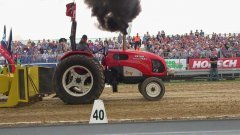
x,y
124,42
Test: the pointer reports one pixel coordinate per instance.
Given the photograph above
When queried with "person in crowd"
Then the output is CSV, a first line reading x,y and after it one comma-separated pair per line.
x,y
137,42
159,36
62,45
130,41
120,38
201,33
197,33
163,34
148,36
191,33
145,39
214,67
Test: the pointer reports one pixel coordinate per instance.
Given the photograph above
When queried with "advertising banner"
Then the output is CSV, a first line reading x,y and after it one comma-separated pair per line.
x,y
176,64
223,63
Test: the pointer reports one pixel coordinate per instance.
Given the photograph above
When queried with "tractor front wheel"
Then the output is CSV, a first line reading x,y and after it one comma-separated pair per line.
x,y
152,89
79,80
139,87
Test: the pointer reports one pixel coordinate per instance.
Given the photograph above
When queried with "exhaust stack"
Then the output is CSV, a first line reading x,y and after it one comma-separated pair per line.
x,y
124,42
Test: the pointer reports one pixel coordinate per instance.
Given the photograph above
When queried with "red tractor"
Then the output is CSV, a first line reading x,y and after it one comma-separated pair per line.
x,y
80,79
135,67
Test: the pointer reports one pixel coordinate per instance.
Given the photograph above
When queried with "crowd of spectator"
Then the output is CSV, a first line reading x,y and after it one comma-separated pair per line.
x,y
191,45
39,52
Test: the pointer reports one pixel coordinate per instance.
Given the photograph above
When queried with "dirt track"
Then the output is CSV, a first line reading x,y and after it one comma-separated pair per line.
x,y
181,101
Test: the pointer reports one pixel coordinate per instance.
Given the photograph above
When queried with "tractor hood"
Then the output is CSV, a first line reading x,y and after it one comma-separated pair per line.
x,y
148,63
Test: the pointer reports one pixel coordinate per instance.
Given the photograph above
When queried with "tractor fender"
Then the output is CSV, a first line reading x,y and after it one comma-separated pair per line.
x,y
88,54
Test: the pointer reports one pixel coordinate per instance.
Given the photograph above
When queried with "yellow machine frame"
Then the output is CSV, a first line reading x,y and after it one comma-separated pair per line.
x,y
20,86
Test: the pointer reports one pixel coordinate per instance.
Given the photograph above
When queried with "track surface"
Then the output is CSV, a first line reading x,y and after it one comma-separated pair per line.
x,y
197,100
224,127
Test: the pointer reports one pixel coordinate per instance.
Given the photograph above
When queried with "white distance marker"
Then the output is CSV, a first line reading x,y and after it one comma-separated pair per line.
x,y
98,114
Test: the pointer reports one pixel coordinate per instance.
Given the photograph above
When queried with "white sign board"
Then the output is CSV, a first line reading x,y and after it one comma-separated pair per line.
x,y
176,64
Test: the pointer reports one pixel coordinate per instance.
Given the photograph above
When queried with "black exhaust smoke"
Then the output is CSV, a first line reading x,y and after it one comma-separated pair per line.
x,y
114,15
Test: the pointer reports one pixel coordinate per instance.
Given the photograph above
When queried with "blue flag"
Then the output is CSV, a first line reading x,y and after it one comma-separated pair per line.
x,y
4,33
3,42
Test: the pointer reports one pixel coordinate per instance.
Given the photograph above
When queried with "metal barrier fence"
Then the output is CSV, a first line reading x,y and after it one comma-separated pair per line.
x,y
43,58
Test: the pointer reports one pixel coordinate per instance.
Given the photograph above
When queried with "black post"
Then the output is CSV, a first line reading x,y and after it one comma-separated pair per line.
x,y
73,35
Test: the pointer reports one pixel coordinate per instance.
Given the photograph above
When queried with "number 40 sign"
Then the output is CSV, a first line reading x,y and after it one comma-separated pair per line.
x,y
98,114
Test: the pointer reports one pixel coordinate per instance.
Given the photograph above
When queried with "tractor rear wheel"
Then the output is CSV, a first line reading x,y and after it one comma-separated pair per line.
x,y
152,89
79,80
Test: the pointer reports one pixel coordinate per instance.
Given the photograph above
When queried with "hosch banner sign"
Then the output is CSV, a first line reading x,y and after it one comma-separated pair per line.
x,y
223,63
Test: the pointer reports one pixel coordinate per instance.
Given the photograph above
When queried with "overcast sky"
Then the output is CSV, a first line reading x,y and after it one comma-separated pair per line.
x,y
38,19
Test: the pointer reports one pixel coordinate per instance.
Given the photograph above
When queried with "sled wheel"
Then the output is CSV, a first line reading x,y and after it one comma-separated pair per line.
x,y
79,80
152,89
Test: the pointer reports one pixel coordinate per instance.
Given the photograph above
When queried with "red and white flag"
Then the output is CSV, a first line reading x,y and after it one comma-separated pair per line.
x,y
71,10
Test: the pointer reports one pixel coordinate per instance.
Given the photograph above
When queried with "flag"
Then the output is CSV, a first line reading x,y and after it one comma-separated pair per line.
x,y
71,10
4,33
10,43
3,42
10,61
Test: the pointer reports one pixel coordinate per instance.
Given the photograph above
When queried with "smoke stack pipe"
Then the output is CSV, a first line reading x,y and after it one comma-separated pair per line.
x,y
124,42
